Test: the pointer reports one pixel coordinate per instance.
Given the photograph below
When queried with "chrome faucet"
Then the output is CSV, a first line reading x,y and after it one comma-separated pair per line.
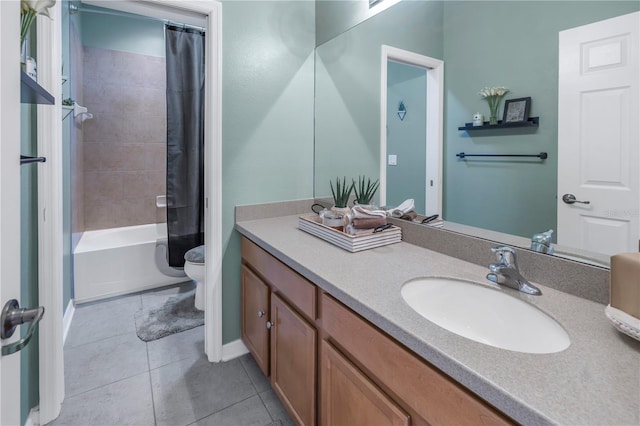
x,y
506,271
542,242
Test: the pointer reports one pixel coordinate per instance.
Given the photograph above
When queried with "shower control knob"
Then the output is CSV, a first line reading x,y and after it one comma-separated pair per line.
x,y
260,314
270,324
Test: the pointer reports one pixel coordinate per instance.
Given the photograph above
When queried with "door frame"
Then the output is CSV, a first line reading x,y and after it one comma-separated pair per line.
x,y
435,122
50,190
50,238
9,199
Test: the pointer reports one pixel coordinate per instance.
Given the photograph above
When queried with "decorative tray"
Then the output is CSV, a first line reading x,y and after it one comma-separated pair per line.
x,y
364,240
623,322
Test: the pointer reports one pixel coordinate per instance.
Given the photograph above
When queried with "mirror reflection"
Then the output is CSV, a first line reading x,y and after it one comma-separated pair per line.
x,y
512,44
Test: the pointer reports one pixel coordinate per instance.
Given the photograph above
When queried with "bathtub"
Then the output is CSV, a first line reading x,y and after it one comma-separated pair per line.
x,y
116,261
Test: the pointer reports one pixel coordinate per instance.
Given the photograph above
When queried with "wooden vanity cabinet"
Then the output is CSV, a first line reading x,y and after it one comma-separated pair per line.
x,y
329,365
283,340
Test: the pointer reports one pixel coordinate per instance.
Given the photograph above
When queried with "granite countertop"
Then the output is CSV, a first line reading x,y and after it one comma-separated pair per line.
x,y
595,381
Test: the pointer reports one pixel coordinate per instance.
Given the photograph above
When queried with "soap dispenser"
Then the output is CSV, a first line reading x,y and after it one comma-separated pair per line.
x,y
542,242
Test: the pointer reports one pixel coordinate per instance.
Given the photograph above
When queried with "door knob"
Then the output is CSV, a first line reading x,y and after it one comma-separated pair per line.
x,y
270,325
12,316
260,314
570,199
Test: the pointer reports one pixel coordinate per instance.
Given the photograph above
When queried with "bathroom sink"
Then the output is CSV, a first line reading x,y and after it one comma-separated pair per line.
x,y
485,314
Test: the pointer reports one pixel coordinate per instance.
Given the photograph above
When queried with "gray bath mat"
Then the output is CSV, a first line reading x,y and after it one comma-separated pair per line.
x,y
173,316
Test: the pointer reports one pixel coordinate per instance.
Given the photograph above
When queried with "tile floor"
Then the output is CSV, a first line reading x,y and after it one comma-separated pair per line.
x,y
113,378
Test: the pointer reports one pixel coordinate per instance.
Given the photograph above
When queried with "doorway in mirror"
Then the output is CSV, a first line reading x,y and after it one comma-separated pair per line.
x,y
416,82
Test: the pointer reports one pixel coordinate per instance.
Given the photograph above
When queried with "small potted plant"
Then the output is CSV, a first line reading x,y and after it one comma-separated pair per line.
x,y
341,194
365,190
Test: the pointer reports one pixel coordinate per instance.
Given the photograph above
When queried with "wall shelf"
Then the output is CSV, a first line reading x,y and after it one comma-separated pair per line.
x,y
32,93
531,122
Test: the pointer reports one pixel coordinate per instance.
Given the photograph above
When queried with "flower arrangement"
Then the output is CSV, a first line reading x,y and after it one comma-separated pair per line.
x,y
365,191
493,95
29,10
341,192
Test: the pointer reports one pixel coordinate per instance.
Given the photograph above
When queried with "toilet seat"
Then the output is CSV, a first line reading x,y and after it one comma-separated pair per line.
x,y
194,268
195,255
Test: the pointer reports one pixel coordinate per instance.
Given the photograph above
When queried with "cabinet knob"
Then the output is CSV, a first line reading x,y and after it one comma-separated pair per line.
x,y
260,314
270,325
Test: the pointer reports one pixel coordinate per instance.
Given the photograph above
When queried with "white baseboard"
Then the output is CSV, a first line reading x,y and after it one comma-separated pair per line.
x,y
33,419
233,350
66,320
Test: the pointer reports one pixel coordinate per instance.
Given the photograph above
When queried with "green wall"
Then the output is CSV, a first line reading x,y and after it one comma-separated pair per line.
x,y
267,120
333,17
347,112
122,33
513,44
407,138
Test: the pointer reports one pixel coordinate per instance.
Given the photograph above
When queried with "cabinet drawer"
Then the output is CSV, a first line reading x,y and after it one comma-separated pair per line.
x,y
424,390
290,285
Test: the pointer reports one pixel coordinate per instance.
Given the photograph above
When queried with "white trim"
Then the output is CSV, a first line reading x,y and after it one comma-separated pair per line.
x,y
9,199
435,120
103,296
213,185
50,217
233,350
66,320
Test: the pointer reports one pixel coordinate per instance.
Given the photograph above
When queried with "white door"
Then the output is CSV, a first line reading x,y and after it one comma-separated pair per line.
x,y
599,136
9,199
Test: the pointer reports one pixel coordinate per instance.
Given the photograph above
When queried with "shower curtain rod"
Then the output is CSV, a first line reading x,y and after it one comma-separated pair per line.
x,y
73,9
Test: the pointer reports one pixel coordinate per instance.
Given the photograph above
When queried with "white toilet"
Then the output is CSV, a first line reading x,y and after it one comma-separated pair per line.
x,y
194,268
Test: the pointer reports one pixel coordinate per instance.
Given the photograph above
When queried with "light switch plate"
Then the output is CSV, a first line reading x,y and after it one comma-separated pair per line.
x,y
393,160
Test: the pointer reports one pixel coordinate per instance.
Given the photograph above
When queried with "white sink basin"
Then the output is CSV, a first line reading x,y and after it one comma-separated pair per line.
x,y
485,315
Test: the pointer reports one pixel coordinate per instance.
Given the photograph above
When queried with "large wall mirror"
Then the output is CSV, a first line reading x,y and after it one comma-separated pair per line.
x,y
482,43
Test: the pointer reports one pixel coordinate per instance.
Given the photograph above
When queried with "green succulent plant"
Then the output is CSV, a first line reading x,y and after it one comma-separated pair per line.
x,y
365,191
341,192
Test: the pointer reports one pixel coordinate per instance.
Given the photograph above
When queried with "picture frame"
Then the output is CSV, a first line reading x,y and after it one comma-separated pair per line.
x,y
516,110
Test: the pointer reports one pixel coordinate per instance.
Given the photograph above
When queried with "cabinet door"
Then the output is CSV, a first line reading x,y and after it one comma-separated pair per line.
x,y
293,361
349,398
255,313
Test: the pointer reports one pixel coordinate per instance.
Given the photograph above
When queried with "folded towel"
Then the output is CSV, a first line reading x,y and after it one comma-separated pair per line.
x,y
369,223
409,215
359,212
402,209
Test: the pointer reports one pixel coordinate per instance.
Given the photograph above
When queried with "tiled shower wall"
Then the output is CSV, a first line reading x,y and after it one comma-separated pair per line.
x,y
125,142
